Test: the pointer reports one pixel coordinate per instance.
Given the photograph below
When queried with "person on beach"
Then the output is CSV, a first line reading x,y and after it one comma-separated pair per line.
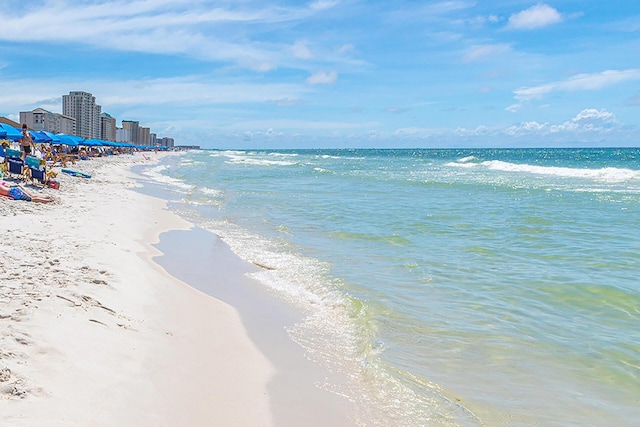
x,y
20,193
25,142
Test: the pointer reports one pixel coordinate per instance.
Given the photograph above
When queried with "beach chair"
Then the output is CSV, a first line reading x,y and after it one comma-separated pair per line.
x,y
14,163
36,170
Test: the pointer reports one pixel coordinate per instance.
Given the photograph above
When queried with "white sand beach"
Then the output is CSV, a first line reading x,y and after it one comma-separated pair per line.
x,y
94,333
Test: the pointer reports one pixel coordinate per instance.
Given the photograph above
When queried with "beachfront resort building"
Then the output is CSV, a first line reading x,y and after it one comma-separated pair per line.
x,y
41,119
81,116
123,135
165,142
145,136
82,106
132,126
107,127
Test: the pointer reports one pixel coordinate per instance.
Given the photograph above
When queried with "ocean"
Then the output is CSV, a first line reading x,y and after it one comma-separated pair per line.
x,y
489,287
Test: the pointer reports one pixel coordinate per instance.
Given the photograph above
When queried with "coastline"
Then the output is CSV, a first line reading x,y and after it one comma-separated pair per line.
x,y
95,332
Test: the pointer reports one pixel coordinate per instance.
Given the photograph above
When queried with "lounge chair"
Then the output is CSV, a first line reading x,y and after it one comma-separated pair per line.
x,y
14,163
36,170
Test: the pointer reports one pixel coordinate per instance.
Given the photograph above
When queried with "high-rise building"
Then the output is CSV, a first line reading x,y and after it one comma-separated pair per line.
x,y
41,119
123,135
166,142
132,127
107,127
144,135
82,106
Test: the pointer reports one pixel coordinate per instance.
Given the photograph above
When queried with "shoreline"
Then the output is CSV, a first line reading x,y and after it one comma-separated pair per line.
x,y
295,391
95,332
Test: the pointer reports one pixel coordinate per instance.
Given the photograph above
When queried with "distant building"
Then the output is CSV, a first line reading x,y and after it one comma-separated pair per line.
x,y
144,136
82,107
123,135
107,127
166,142
134,134
41,119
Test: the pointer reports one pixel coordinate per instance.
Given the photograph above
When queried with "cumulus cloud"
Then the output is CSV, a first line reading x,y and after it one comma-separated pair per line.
x,y
526,128
595,118
587,121
323,78
536,16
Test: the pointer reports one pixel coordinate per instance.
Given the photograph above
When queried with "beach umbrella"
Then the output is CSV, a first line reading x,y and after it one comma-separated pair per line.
x,y
67,140
53,136
93,142
11,132
39,137
78,139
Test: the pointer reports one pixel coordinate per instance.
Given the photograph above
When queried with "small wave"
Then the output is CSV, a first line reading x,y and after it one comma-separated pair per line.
x,y
468,159
321,170
211,191
462,165
283,154
603,174
259,162
156,175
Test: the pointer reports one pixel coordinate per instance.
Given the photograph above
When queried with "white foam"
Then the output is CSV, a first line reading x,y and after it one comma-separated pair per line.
x,y
259,162
468,159
603,174
462,165
155,173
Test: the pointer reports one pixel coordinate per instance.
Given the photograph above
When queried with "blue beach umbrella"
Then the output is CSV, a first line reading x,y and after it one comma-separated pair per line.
x,y
39,137
11,132
53,136
93,142
67,140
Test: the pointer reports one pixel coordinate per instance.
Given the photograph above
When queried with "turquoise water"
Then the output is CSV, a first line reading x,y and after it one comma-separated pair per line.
x,y
450,287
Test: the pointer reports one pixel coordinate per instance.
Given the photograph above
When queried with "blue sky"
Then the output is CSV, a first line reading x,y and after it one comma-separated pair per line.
x,y
335,73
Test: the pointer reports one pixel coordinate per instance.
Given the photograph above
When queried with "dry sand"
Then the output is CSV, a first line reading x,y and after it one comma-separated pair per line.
x,y
94,334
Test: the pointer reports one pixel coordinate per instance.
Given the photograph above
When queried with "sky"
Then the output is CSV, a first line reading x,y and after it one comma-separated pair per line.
x,y
335,73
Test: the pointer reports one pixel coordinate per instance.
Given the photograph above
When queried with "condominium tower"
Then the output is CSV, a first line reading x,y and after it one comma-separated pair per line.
x,y
82,106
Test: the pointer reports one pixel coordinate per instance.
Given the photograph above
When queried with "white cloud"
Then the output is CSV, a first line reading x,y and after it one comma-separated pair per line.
x,y
526,128
478,53
536,16
323,77
323,4
593,116
445,7
286,102
300,50
197,29
579,82
154,94
513,108
587,121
